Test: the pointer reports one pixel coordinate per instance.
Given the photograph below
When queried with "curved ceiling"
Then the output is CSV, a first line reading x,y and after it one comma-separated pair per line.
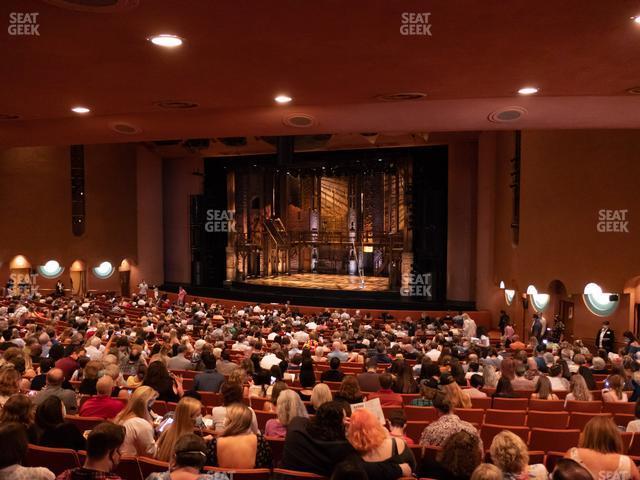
x,y
333,60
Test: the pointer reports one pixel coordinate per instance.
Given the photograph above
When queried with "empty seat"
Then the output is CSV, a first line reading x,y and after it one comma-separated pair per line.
x,y
510,403
414,430
542,419
277,449
619,407
488,431
55,459
211,399
580,419
536,456
421,414
472,415
546,405
505,417
257,403
128,468
407,397
484,402
622,420
84,423
551,439
581,406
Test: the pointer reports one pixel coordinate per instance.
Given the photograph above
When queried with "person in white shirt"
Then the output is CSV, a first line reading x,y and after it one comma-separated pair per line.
x,y
95,350
143,288
558,382
433,354
634,425
469,327
477,382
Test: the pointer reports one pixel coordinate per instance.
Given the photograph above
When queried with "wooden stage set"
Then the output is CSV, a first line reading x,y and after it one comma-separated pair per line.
x,y
325,282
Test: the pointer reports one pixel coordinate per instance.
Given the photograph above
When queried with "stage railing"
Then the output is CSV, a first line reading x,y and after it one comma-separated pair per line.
x,y
308,237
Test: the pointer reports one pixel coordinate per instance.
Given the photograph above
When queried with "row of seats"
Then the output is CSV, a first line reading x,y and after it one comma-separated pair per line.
x,y
594,406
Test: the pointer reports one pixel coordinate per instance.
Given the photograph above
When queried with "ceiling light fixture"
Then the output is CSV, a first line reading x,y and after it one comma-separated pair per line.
x,y
80,109
528,90
283,99
636,19
166,40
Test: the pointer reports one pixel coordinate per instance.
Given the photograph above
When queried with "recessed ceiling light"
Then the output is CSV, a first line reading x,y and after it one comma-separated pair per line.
x,y
166,40
80,109
283,99
636,19
528,90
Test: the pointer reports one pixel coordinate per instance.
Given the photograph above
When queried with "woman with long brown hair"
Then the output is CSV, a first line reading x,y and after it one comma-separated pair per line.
x,y
457,397
613,390
543,389
349,390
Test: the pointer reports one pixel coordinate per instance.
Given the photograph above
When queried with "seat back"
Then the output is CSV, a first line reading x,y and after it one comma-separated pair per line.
x,y
536,456
622,419
488,431
151,465
128,468
484,402
552,458
627,438
243,473
580,419
420,414
510,403
414,430
546,439
263,416
55,459
211,399
542,419
627,408
581,406
471,415
284,474
546,405
634,448
257,403
505,417
277,449
84,423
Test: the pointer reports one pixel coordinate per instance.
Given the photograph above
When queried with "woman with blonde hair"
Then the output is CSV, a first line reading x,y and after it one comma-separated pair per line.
x,y
509,453
238,446
137,420
486,471
543,389
457,397
383,456
288,407
600,451
579,390
319,395
184,421
9,383
613,390
490,376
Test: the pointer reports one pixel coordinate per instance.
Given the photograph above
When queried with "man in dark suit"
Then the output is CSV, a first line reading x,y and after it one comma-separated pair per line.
x,y
605,337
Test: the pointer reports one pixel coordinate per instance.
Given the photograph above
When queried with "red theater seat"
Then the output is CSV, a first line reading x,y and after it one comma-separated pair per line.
x,y
541,419
483,403
548,439
580,406
505,417
627,408
510,403
580,419
151,465
284,474
55,459
420,414
471,415
129,469
546,405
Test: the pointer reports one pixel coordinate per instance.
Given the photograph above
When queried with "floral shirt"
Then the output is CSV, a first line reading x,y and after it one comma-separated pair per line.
x,y
437,432
18,472
204,476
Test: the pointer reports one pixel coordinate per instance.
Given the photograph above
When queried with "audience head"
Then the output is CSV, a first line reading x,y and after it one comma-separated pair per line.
x,y
320,394
365,432
386,380
567,469
55,377
602,435
239,418
543,387
328,424
509,453
18,408
104,442
349,470
104,386
190,451
231,393
14,441
487,471
289,406
476,381
138,405
460,454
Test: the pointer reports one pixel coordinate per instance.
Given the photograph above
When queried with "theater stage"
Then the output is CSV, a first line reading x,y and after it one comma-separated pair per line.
x,y
324,282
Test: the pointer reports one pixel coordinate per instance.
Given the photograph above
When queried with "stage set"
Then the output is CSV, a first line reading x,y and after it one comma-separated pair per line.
x,y
363,222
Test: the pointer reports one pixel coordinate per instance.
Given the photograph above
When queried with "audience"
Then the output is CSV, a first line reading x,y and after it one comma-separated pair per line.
x,y
567,469
459,457
543,389
102,405
188,412
209,380
349,391
14,441
19,409
387,397
579,390
437,433
187,459
53,430
137,420
509,453
53,388
288,407
613,390
231,394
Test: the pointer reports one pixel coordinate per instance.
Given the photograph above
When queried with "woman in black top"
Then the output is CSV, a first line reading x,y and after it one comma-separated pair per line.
x,y
504,389
53,431
159,378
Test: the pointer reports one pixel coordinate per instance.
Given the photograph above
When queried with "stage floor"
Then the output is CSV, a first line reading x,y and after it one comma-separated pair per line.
x,y
324,282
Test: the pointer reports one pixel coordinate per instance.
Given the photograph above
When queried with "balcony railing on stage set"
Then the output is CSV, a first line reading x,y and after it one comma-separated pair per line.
x,y
282,238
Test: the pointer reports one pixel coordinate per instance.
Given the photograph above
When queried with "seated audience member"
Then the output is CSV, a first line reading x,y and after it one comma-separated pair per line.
x,y
135,381
543,389
14,441
103,454
168,386
185,418
238,446
69,363
436,433
387,397
333,374
231,393
397,424
137,421
19,409
209,380
349,391
369,380
53,388
53,430
520,382
320,394
509,453
383,456
38,382
102,405
579,390
613,392
567,469
288,407
580,360
179,361
477,383
425,397
504,389
487,471
89,378
458,398
599,366
558,382
404,381
600,451
187,459
632,426
459,457
316,445
490,376
9,382
277,388
307,378
516,344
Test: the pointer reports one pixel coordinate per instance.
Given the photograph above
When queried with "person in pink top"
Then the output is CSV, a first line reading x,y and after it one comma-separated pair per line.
x,y
288,406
